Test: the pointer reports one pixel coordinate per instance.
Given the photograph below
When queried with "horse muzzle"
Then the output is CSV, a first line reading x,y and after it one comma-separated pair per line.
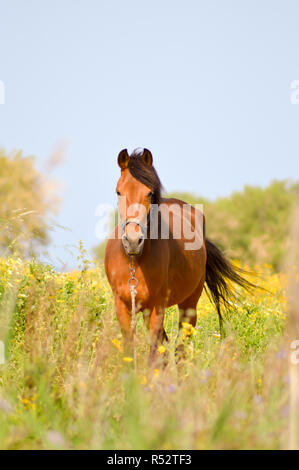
x,y
133,246
133,243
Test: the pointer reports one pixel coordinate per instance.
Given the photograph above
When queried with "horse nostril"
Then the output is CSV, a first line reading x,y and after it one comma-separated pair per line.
x,y
140,240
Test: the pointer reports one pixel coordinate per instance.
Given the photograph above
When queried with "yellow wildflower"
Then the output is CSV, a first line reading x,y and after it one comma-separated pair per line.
x,y
117,343
127,359
188,329
161,349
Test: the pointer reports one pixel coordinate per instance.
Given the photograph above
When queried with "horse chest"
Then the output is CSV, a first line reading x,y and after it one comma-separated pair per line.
x,y
142,297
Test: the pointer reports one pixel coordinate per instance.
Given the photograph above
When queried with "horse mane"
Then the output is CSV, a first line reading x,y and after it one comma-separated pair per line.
x,y
145,174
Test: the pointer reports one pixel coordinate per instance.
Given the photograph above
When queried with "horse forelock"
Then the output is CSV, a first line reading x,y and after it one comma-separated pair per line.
x,y
145,174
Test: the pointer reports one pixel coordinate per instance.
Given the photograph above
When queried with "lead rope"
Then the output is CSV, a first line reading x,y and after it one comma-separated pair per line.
x,y
133,283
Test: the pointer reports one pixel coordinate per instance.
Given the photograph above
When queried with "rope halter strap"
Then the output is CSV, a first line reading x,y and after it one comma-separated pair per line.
x,y
133,283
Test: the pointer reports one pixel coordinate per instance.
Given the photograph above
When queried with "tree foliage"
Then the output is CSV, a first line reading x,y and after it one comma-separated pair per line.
x,y
26,203
251,225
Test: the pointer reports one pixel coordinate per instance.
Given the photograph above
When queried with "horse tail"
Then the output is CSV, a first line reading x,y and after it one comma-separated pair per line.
x,y
220,272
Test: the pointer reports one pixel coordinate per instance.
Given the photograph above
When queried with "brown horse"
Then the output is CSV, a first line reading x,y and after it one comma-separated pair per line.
x,y
170,269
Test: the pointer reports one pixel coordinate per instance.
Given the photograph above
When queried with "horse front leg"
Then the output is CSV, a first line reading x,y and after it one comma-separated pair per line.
x,y
157,332
124,319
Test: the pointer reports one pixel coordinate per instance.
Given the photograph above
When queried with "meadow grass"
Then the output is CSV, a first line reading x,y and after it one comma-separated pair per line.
x,y
66,383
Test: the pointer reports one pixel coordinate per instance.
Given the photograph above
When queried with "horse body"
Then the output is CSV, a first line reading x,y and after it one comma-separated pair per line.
x,y
167,272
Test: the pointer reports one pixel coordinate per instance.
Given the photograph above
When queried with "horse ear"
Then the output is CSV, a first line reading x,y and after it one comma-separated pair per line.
x,y
147,157
123,159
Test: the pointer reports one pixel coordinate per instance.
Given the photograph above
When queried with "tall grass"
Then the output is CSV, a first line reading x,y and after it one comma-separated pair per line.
x,y
67,384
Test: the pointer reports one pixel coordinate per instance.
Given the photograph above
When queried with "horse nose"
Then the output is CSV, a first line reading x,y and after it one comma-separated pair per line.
x,y
133,245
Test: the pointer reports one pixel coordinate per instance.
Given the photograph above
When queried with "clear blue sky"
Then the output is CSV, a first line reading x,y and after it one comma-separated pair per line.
x,y
204,84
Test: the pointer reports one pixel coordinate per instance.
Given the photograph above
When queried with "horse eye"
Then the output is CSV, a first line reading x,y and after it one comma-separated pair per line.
x,y
150,194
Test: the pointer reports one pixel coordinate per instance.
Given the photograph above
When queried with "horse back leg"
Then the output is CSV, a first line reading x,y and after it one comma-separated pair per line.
x,y
187,308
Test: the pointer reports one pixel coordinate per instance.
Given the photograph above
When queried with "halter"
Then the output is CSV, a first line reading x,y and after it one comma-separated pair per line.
x,y
136,222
